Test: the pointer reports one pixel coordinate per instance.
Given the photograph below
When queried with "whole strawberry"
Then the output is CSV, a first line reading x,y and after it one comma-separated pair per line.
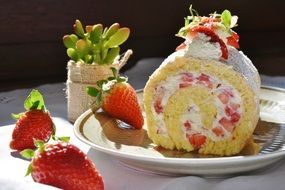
x,y
35,123
118,98
63,165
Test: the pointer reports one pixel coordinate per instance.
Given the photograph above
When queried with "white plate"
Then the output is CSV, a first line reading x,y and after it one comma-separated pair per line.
x,y
134,149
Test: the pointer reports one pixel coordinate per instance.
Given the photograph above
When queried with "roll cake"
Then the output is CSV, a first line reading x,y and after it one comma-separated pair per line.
x,y
204,96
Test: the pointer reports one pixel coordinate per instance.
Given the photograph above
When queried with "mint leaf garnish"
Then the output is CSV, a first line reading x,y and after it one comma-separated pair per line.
x,y
226,18
34,101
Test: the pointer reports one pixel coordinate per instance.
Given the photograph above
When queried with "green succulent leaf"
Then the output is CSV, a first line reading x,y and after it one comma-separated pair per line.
x,y
34,101
16,116
83,47
73,37
104,53
96,58
96,44
68,42
118,38
226,18
112,30
78,29
112,54
96,33
72,54
92,91
88,28
88,59
27,153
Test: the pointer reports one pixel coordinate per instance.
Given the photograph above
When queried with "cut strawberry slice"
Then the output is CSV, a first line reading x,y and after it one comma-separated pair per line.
x,y
157,106
219,132
185,84
233,40
224,98
235,106
214,38
229,111
187,77
235,117
204,77
197,140
187,125
227,124
181,46
235,36
158,100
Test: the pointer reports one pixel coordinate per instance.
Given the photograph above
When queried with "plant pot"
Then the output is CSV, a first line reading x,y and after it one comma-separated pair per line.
x,y
82,75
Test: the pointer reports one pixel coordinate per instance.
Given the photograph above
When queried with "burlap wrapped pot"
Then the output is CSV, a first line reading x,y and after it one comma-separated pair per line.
x,y
82,75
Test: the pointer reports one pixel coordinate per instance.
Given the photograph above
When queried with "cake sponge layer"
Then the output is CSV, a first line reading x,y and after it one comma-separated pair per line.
x,y
203,97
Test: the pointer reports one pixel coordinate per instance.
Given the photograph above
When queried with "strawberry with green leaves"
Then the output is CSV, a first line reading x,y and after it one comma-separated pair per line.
x,y
62,165
35,123
118,98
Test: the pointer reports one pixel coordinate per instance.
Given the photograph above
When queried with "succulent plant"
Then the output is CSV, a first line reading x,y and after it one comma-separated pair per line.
x,y
95,44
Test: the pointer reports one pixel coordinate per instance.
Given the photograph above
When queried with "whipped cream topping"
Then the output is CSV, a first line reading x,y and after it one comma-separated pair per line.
x,y
201,47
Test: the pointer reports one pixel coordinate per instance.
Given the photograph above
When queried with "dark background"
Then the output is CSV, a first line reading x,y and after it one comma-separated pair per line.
x,y
31,49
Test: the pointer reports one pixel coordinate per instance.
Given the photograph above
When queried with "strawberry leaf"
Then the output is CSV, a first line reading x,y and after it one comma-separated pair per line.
x,y
99,98
101,82
34,101
111,78
92,91
27,153
29,170
16,116
39,143
114,71
122,79
35,105
64,139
